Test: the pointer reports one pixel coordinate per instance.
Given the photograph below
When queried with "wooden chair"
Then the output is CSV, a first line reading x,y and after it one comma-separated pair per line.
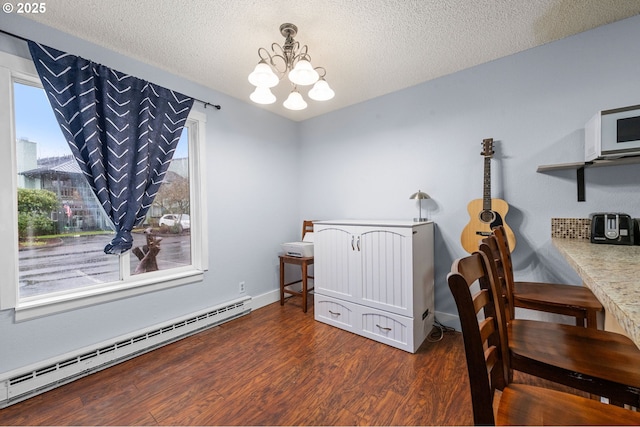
x,y
488,365
574,301
307,227
304,263
598,362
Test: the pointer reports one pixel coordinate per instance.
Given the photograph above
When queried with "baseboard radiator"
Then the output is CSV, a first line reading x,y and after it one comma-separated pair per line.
x,y
22,384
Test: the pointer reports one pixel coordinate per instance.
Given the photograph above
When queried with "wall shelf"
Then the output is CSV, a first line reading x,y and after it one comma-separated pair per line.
x,y
593,164
579,167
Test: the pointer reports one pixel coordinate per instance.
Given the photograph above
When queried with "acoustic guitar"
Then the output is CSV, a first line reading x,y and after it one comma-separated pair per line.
x,y
485,213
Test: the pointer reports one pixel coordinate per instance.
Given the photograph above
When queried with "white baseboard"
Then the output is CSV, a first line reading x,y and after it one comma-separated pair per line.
x,y
25,382
265,299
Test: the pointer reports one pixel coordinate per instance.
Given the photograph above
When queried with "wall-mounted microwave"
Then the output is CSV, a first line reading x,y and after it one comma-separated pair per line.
x,y
612,134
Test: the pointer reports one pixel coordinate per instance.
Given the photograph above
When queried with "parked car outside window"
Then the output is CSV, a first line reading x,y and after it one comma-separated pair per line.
x,y
177,222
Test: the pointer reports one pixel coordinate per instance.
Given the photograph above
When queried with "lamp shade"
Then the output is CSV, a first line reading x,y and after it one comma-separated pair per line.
x,y
419,196
262,95
321,91
295,101
303,73
263,76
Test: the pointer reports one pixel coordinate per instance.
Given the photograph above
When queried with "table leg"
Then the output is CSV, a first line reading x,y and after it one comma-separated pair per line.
x,y
304,287
281,282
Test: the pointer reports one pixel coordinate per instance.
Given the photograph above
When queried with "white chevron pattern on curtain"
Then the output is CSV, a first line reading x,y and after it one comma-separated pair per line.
x,y
123,132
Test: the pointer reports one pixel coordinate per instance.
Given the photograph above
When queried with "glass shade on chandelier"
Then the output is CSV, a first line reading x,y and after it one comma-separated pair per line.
x,y
295,101
262,95
263,76
303,73
293,61
321,91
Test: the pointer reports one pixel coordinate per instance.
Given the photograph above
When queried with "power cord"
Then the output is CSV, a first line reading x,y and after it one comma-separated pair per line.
x,y
438,331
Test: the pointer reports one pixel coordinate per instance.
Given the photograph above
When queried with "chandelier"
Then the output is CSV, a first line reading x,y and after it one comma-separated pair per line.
x,y
292,60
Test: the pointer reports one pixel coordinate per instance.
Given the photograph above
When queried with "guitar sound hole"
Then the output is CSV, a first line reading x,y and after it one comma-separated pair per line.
x,y
487,216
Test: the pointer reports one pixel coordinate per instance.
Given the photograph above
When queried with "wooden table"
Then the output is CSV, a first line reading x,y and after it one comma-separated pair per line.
x,y
612,272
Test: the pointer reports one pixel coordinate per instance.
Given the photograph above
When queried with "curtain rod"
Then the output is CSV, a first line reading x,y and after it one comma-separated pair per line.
x,y
216,106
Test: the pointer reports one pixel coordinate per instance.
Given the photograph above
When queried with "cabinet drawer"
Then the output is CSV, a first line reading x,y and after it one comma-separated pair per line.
x,y
387,328
379,325
335,312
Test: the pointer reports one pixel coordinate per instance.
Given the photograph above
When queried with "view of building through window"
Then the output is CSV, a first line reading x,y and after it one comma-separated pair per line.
x,y
61,226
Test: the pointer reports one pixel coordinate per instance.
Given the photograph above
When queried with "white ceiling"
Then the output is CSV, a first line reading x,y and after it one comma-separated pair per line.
x,y
368,47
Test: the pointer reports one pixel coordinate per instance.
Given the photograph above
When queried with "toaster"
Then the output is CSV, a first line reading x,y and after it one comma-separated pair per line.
x,y
614,229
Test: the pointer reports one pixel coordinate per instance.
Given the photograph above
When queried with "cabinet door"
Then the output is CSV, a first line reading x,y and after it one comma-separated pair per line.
x,y
334,249
386,274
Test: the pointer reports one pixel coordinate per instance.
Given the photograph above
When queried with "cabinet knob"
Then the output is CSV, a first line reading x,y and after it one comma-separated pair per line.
x,y
382,328
334,314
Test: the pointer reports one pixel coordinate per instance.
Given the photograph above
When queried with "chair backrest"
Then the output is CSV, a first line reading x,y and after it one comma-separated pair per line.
x,y
491,241
484,336
505,252
506,263
307,227
489,246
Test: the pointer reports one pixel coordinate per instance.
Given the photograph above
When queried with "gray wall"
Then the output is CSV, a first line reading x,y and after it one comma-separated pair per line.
x,y
365,161
252,208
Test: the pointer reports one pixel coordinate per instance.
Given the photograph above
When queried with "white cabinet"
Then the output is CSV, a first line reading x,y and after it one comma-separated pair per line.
x,y
375,278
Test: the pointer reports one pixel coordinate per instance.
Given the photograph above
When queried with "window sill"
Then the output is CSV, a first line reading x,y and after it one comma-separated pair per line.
x,y
53,304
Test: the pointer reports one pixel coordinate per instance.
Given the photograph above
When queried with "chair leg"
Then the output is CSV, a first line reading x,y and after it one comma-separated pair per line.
x,y
281,282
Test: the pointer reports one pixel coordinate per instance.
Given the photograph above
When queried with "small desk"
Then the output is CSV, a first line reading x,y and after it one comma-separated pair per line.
x,y
612,272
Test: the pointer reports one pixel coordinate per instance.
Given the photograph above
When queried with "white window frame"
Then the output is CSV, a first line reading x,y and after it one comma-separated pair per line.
x,y
17,69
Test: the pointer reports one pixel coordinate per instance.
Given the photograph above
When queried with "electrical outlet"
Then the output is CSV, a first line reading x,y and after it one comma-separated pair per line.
x,y
241,287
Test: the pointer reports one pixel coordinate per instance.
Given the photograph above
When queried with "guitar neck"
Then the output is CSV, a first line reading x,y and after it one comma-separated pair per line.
x,y
486,195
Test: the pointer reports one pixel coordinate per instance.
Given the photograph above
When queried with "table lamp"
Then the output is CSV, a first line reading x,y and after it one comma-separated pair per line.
x,y
420,196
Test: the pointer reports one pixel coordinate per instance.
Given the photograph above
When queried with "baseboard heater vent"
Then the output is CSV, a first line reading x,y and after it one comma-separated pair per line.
x,y
35,380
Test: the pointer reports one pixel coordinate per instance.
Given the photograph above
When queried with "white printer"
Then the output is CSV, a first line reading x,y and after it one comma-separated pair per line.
x,y
302,249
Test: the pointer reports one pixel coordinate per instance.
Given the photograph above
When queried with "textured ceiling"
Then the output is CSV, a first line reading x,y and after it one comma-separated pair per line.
x,y
368,47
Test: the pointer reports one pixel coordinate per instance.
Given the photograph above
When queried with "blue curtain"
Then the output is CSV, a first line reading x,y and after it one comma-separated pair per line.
x,y
123,132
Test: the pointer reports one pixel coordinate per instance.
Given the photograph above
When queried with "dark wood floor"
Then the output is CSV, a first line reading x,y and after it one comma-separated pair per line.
x,y
276,366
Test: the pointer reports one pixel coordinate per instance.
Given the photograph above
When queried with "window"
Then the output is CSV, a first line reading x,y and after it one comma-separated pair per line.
x,y
60,229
